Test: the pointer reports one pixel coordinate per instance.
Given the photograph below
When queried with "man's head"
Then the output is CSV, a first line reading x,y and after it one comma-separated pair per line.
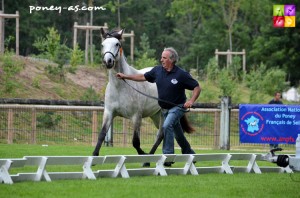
x,y
168,58
173,54
277,96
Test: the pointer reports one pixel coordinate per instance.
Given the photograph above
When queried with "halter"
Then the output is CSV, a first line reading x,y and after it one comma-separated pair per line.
x,y
117,53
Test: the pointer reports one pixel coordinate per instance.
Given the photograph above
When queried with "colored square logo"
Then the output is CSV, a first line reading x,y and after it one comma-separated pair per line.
x,y
278,10
278,21
284,16
289,21
289,10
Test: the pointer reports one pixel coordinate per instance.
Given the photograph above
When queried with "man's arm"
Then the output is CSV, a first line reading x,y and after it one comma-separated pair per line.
x,y
134,77
195,95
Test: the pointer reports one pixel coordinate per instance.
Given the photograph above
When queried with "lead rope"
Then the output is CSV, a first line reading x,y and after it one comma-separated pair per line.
x,y
155,98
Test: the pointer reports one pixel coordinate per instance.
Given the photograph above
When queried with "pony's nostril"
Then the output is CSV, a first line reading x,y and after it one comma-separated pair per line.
x,y
109,63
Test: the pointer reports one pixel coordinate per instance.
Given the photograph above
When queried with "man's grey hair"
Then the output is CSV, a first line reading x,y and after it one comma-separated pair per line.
x,y
173,54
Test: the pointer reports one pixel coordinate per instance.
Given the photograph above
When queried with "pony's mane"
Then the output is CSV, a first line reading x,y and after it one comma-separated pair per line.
x,y
113,34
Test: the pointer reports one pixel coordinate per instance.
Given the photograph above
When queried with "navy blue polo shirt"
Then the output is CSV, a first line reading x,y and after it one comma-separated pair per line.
x,y
171,85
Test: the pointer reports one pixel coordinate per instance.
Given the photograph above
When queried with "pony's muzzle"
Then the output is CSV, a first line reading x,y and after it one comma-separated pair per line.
x,y
108,61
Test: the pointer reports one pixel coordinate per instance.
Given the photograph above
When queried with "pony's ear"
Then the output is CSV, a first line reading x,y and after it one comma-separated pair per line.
x,y
119,34
103,33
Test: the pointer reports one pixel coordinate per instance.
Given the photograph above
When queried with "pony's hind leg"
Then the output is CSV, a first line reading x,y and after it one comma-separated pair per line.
x,y
136,135
158,121
137,144
159,138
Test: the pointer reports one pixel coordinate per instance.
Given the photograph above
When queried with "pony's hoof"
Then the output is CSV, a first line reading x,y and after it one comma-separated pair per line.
x,y
146,164
95,154
168,164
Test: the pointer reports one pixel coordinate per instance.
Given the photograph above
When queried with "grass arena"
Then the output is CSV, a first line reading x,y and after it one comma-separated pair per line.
x,y
209,184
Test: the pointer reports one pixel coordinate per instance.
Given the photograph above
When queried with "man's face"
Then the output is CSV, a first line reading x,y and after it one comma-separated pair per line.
x,y
277,96
165,60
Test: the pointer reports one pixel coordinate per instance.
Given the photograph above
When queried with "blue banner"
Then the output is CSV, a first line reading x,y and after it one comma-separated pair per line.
x,y
275,124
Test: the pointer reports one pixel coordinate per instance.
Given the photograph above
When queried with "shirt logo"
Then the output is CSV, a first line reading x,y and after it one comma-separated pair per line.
x,y
174,81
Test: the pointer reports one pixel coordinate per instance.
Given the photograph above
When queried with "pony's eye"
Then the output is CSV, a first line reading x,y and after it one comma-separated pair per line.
x,y
117,44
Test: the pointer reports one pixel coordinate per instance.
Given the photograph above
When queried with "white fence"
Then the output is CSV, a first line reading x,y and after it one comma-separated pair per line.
x,y
96,167
216,128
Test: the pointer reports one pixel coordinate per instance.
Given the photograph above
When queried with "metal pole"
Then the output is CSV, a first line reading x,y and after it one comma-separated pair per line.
x,y
225,123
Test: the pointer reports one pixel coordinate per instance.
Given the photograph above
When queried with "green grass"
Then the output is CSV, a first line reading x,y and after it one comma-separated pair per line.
x,y
210,185
204,185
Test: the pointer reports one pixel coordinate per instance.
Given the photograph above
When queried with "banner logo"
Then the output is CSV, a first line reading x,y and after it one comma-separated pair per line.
x,y
252,123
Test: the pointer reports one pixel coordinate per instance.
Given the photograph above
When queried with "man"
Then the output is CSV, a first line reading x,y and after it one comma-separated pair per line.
x,y
275,100
171,82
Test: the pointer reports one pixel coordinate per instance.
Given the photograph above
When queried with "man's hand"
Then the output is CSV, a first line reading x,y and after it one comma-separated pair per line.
x,y
134,77
120,75
188,104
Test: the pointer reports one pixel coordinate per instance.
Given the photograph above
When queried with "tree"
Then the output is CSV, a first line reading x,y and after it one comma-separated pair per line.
x,y
145,54
195,28
195,31
54,51
279,48
50,44
230,10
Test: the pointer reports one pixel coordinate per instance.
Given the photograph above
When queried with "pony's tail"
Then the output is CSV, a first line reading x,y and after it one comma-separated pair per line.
x,y
185,124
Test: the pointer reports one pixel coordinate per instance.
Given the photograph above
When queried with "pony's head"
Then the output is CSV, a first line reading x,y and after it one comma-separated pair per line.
x,y
111,47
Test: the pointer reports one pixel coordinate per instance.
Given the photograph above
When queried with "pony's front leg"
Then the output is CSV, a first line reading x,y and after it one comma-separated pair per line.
x,y
107,120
